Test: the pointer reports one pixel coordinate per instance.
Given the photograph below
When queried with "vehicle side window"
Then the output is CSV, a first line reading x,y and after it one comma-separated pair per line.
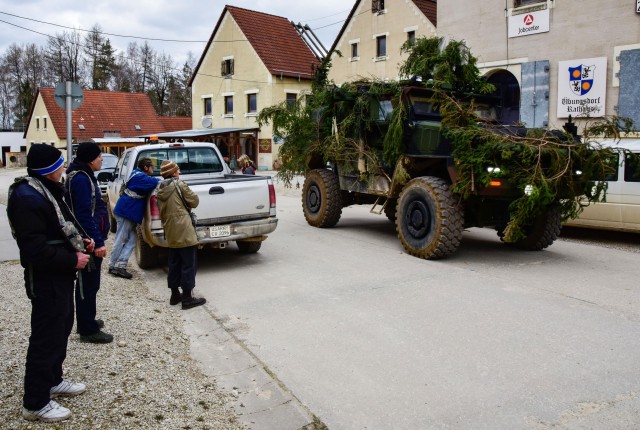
x,y
632,168
614,162
157,156
123,162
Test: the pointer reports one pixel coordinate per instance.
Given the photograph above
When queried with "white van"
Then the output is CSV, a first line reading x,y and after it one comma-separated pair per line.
x,y
621,211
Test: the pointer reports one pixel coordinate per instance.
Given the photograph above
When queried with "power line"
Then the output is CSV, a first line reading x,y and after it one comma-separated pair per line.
x,y
101,32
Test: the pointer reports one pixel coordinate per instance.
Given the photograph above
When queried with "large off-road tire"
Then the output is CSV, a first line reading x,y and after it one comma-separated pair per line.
x,y
247,247
146,256
430,220
321,198
390,209
113,225
544,230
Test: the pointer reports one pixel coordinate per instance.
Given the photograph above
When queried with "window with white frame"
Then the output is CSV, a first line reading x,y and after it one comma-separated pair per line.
x,y
208,109
377,6
354,50
227,67
381,46
252,103
44,120
228,105
411,37
291,99
37,123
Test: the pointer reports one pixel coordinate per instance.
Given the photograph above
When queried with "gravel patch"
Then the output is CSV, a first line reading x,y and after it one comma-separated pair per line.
x,y
145,379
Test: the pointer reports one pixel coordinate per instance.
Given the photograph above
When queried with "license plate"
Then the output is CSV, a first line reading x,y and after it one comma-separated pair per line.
x,y
219,231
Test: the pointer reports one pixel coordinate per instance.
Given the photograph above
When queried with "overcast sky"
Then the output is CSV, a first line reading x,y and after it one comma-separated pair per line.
x,y
32,21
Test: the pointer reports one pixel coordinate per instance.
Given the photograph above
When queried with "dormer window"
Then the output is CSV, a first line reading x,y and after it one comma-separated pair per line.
x,y
227,67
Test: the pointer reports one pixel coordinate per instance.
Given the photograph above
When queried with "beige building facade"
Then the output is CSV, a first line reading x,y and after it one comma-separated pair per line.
x,y
246,67
41,129
551,59
368,45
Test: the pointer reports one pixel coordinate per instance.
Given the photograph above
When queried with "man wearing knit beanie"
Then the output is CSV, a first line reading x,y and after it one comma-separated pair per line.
x,y
85,200
175,201
50,265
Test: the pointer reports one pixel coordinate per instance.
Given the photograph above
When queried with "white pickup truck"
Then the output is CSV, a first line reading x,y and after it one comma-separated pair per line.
x,y
233,207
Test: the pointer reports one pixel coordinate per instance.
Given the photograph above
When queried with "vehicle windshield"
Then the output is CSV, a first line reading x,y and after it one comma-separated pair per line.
x,y
109,162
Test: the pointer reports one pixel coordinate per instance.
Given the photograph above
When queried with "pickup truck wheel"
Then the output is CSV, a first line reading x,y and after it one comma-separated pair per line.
x,y
113,225
246,247
146,256
321,198
544,230
430,220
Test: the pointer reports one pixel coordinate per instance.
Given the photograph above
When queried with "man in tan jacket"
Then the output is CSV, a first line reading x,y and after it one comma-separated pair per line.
x,y
175,201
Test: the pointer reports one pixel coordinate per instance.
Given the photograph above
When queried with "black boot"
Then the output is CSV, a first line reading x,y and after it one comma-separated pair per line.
x,y
176,297
188,301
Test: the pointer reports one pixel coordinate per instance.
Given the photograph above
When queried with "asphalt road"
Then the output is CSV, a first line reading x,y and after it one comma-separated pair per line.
x,y
368,337
364,336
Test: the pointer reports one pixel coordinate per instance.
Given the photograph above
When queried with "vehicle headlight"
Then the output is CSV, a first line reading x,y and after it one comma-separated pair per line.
x,y
528,190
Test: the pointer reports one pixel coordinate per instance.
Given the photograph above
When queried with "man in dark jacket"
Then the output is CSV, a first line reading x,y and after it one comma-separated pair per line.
x,y
129,212
85,200
36,211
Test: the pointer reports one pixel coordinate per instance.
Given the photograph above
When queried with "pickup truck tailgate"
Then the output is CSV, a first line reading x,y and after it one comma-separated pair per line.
x,y
233,197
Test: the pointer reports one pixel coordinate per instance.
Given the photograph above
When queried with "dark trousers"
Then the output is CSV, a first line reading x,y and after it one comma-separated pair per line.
x,y
182,268
87,288
51,323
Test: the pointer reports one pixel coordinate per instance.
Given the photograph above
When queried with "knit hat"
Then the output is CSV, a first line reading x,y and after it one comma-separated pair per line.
x,y
44,159
168,168
87,152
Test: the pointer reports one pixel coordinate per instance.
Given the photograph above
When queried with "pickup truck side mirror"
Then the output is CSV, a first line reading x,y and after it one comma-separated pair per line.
x,y
105,177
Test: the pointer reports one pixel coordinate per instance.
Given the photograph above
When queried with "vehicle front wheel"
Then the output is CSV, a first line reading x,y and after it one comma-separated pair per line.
x,y
146,256
542,232
429,220
248,247
321,198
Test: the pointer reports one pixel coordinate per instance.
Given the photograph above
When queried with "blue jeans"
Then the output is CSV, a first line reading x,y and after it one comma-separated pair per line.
x,y
124,243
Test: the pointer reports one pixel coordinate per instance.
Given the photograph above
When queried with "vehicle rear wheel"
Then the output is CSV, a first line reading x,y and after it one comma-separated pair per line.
x,y
321,198
390,209
146,256
248,247
113,225
430,220
544,230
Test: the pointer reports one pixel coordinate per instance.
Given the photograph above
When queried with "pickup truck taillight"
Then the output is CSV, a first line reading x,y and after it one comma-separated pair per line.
x,y
272,196
153,208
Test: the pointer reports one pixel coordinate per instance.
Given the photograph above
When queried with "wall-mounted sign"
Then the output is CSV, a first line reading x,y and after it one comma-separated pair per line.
x,y
264,145
582,87
528,23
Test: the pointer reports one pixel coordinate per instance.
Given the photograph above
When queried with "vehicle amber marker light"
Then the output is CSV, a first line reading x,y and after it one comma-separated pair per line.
x,y
495,183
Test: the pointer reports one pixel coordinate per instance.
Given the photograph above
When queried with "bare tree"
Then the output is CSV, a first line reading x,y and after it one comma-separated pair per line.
x,y
160,80
64,57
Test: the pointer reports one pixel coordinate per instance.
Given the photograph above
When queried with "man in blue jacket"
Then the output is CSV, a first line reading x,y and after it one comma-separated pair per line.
x,y
85,200
129,212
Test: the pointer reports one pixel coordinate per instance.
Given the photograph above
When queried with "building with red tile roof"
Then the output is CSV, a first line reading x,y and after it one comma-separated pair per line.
x,y
368,45
101,114
252,60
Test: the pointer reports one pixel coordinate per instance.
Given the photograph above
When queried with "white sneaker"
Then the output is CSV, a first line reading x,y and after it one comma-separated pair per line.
x,y
67,388
50,413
